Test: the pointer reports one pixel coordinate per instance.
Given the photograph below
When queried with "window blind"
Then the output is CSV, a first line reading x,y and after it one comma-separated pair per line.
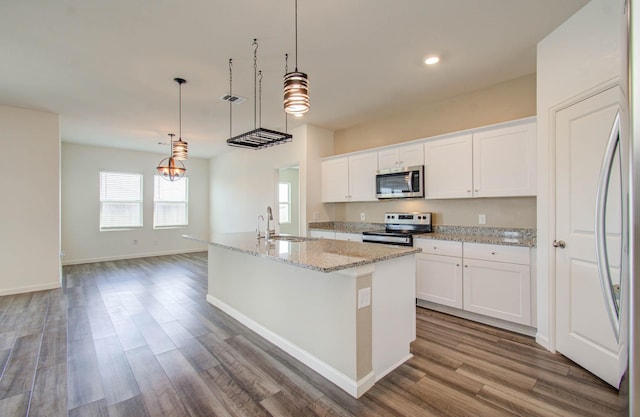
x,y
170,202
120,200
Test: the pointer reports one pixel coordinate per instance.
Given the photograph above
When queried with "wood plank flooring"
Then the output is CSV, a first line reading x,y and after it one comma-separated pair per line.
x,y
137,338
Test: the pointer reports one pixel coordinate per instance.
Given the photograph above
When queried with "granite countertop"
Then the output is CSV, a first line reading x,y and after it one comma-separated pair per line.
x,y
324,255
487,235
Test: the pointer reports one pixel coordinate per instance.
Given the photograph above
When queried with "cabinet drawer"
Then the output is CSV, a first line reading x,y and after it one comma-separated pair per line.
x,y
439,247
497,253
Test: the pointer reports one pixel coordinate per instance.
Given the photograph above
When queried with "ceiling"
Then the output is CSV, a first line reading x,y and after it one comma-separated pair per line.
x,y
107,67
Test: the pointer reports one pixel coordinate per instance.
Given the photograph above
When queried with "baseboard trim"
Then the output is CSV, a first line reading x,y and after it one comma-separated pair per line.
x,y
502,324
30,288
542,341
352,387
393,367
134,256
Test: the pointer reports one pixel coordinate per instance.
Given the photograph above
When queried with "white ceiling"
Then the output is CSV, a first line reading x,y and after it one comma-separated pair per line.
x,y
107,67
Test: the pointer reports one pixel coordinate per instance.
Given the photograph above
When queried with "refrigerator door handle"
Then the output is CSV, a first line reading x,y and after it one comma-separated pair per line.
x,y
602,256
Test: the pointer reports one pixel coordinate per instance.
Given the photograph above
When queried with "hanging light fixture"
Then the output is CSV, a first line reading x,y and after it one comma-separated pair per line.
x,y
296,85
180,148
170,168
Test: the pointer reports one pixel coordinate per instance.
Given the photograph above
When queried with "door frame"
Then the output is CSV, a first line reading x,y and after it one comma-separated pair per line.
x,y
546,210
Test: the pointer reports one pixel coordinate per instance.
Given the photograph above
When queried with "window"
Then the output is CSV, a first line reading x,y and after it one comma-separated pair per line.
x,y
120,200
284,198
170,202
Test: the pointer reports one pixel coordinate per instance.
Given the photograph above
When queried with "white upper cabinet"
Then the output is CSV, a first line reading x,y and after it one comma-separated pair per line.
x,y
497,162
448,168
504,162
401,156
362,177
335,183
350,178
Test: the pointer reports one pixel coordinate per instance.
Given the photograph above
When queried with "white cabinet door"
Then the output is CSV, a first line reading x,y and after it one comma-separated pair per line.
x,y
352,237
401,156
439,279
362,176
335,184
448,167
497,289
323,234
504,162
583,332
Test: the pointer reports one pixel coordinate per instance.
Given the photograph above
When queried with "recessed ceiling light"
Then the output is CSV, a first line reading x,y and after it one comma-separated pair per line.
x,y
432,60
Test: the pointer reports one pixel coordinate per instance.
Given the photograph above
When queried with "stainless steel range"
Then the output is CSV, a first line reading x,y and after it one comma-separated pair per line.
x,y
400,228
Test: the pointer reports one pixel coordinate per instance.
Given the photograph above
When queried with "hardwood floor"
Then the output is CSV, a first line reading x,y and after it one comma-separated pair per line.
x,y
137,338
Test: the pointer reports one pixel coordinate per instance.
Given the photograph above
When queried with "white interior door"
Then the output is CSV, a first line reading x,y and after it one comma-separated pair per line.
x,y
583,331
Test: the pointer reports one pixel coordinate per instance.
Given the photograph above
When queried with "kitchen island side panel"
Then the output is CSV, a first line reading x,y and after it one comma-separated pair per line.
x,y
311,310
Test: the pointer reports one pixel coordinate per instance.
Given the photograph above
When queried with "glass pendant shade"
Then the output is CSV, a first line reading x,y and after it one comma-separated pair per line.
x,y
296,93
171,169
180,150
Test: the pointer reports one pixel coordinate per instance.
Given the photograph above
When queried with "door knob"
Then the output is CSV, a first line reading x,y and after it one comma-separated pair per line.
x,y
559,244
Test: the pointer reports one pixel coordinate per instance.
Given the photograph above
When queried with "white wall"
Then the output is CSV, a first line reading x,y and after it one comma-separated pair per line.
x,y
581,54
82,240
243,181
30,210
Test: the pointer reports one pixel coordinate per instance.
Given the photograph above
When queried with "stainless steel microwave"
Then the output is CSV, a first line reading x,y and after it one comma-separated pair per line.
x,y
407,182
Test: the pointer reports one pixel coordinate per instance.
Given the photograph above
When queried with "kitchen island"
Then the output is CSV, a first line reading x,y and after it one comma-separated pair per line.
x,y
345,309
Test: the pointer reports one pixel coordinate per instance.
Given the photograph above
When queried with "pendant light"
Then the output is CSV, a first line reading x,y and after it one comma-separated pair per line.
x,y
170,168
180,148
296,84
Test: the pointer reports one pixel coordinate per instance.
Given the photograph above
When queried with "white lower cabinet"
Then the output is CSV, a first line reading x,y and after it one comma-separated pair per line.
x,y
352,237
322,234
491,280
497,289
439,279
439,272
330,234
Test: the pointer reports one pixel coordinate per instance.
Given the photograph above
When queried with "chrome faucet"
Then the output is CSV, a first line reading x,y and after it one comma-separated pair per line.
x,y
258,235
269,232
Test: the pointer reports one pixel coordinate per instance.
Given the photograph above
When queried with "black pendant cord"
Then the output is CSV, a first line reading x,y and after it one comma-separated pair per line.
x,y
230,95
296,35
286,71
179,112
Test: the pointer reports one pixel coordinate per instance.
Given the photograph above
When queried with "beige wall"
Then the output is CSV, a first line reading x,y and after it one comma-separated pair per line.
x,y
30,210
506,101
501,212
82,240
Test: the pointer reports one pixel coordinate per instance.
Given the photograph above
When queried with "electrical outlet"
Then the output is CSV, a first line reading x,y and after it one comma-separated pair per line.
x,y
362,217
482,219
316,216
364,297
62,253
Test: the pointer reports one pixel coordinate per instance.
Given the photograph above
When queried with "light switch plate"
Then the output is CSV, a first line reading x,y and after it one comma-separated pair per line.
x,y
364,297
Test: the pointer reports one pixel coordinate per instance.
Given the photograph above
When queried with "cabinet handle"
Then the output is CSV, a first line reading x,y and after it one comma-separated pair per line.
x,y
477,191
493,253
466,266
435,248
468,191
457,264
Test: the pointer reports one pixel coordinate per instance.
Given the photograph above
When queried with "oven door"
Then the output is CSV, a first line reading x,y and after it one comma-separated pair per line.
x,y
400,183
